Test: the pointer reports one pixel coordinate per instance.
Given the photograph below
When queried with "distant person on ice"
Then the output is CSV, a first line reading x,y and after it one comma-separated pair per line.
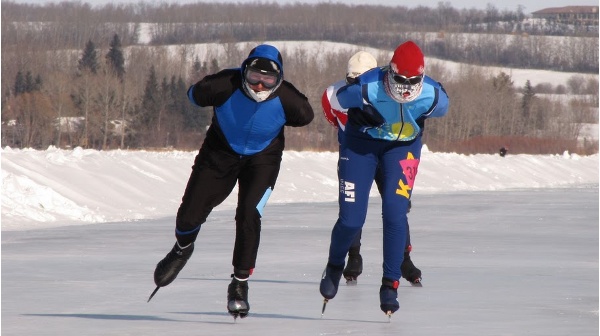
x,y
337,116
244,146
503,151
387,107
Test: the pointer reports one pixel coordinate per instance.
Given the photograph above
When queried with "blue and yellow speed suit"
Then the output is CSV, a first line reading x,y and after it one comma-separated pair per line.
x,y
394,148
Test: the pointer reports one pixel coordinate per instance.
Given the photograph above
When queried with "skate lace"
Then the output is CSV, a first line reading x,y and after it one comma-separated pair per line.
x,y
239,291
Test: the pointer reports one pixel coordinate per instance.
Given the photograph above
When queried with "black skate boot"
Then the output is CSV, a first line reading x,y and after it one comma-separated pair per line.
x,y
354,266
388,296
237,298
409,272
330,281
167,269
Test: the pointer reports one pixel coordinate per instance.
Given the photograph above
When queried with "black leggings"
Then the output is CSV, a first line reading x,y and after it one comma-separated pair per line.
x,y
214,175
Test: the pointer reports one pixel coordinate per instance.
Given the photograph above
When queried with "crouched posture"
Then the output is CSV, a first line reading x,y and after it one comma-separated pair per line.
x,y
243,145
337,116
387,107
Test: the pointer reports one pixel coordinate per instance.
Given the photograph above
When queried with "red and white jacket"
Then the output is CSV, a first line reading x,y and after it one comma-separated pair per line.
x,y
334,113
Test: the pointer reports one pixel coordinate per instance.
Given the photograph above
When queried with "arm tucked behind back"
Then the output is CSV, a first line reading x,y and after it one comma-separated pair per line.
x,y
298,111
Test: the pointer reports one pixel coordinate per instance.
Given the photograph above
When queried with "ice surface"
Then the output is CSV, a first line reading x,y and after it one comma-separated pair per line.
x,y
520,262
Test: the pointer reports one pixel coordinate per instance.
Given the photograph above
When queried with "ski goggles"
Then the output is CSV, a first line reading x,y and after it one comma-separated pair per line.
x,y
399,79
253,77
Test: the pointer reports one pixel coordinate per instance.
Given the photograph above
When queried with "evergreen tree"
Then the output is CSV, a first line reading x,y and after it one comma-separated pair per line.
x,y
195,119
115,58
196,66
198,71
89,58
149,107
180,104
173,96
503,82
37,83
29,83
19,83
164,91
528,96
214,66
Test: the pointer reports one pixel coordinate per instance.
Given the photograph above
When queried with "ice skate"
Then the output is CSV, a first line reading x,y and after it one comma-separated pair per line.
x,y
237,298
388,296
167,269
354,268
330,281
410,272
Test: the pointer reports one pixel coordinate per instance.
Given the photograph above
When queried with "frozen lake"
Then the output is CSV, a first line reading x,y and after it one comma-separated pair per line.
x,y
494,263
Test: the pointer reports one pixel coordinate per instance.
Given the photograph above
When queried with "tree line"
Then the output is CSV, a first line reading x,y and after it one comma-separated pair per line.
x,y
503,38
108,95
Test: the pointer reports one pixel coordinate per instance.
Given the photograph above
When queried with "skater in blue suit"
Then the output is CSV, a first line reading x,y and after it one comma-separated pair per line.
x,y
337,116
387,107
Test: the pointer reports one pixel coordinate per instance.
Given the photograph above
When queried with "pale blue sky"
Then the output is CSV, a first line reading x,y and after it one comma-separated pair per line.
x,y
530,5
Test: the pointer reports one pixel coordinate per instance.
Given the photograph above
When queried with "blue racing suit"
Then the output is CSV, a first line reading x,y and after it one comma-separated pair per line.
x,y
394,147
244,147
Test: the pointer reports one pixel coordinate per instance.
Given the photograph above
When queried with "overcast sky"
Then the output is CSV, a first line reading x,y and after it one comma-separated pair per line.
x,y
529,5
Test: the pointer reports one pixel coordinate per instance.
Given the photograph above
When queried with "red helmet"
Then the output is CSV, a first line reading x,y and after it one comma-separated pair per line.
x,y
408,60
404,81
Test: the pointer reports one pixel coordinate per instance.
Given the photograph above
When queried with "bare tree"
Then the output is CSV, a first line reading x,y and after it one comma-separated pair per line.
x,y
82,98
107,98
47,40
58,92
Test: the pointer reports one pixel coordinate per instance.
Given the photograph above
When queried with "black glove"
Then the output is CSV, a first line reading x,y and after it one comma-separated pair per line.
x,y
368,116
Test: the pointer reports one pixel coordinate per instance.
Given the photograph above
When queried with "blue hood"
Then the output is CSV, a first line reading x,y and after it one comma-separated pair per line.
x,y
265,51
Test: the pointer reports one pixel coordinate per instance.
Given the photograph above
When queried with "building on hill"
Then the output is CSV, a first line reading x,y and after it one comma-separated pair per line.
x,y
574,15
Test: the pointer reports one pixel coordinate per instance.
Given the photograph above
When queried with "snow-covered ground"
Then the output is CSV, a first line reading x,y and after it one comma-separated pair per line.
x,y
56,187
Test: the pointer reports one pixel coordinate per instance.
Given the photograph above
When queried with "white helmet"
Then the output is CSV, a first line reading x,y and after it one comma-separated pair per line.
x,y
359,63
